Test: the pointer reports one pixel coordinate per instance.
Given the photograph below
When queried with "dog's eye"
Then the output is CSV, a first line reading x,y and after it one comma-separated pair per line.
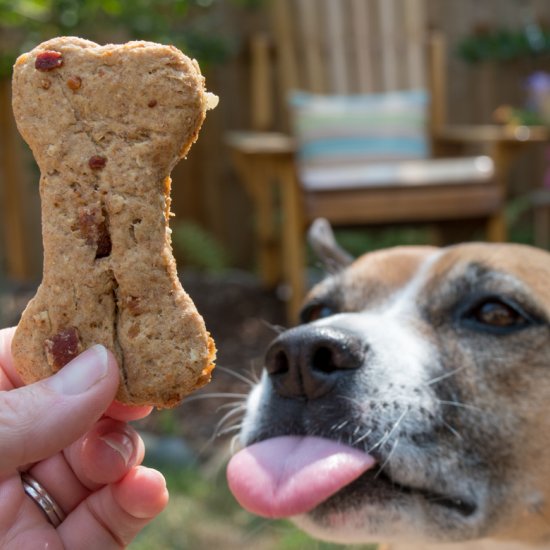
x,y
314,312
496,315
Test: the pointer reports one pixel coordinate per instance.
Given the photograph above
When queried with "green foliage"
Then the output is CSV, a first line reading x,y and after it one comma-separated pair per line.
x,y
202,514
192,25
519,220
199,248
356,242
504,45
168,421
250,4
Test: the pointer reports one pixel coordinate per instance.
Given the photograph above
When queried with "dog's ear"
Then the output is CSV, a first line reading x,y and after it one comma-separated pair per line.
x,y
321,238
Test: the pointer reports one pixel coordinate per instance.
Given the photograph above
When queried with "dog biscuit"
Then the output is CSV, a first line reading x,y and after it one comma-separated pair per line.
x,y
106,125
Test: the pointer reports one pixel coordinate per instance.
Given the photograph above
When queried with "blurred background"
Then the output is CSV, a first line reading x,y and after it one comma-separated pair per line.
x,y
243,184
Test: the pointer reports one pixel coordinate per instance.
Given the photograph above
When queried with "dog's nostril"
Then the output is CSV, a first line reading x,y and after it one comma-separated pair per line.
x,y
279,363
323,360
331,356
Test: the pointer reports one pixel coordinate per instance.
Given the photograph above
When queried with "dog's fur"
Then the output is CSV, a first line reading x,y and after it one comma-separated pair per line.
x,y
450,393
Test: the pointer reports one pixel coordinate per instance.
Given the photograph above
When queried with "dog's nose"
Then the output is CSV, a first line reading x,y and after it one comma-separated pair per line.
x,y
307,362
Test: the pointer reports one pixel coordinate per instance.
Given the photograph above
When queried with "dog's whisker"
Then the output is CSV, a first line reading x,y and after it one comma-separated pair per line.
x,y
444,376
339,427
233,444
461,405
237,375
226,417
362,438
232,412
215,395
379,443
398,422
218,434
277,329
255,373
238,403
452,430
230,429
386,461
386,437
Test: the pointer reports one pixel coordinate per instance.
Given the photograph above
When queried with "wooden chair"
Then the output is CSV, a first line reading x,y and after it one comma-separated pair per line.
x,y
350,47
541,204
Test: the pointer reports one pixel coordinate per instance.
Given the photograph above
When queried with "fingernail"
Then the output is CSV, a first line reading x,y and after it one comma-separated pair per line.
x,y
81,373
121,443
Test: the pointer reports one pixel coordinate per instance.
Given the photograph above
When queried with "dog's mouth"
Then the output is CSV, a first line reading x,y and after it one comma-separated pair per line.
x,y
377,479
291,475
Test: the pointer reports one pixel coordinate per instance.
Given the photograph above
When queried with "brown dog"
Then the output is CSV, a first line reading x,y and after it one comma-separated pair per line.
x,y
412,405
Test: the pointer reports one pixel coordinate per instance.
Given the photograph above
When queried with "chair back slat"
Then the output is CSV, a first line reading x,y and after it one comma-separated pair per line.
x,y
348,47
415,45
365,79
311,44
336,46
389,44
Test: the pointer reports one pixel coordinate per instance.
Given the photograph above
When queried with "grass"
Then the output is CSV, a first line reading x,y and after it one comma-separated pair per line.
x,y
202,515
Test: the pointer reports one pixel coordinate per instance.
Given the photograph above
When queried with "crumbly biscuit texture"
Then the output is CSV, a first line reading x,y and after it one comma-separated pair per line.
x,y
106,125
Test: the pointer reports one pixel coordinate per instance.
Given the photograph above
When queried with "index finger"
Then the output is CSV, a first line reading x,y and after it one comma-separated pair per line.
x,y
9,377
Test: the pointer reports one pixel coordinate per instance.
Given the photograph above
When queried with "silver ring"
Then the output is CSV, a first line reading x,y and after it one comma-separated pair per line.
x,y
42,499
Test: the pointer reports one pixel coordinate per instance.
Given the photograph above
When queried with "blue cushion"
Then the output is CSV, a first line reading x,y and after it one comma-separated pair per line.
x,y
334,130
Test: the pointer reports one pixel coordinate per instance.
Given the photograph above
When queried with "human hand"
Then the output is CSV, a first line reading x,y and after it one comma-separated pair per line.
x,y
67,433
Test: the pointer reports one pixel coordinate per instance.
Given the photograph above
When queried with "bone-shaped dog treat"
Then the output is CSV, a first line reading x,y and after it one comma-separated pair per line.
x,y
106,125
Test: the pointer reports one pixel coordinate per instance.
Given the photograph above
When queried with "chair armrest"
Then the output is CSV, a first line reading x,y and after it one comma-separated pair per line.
x,y
259,143
487,134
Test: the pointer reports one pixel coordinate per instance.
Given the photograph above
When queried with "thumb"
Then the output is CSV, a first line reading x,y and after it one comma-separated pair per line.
x,y
38,420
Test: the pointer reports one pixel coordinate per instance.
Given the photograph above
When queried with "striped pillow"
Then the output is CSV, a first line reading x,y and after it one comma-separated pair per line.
x,y
334,130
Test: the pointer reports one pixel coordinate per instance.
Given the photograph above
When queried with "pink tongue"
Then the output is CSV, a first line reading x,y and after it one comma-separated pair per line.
x,y
287,476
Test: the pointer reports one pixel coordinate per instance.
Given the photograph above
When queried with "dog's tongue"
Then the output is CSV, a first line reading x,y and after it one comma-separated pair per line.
x,y
287,476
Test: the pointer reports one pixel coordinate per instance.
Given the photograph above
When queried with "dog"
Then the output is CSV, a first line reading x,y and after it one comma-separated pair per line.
x,y
411,406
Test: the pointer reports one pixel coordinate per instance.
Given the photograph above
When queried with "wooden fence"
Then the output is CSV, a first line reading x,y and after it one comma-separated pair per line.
x,y
205,189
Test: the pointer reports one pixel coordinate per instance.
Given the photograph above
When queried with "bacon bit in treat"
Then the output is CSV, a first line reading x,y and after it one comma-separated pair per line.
x,y
97,162
62,348
134,305
152,103
74,83
48,60
45,83
92,222
88,221
133,331
104,244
